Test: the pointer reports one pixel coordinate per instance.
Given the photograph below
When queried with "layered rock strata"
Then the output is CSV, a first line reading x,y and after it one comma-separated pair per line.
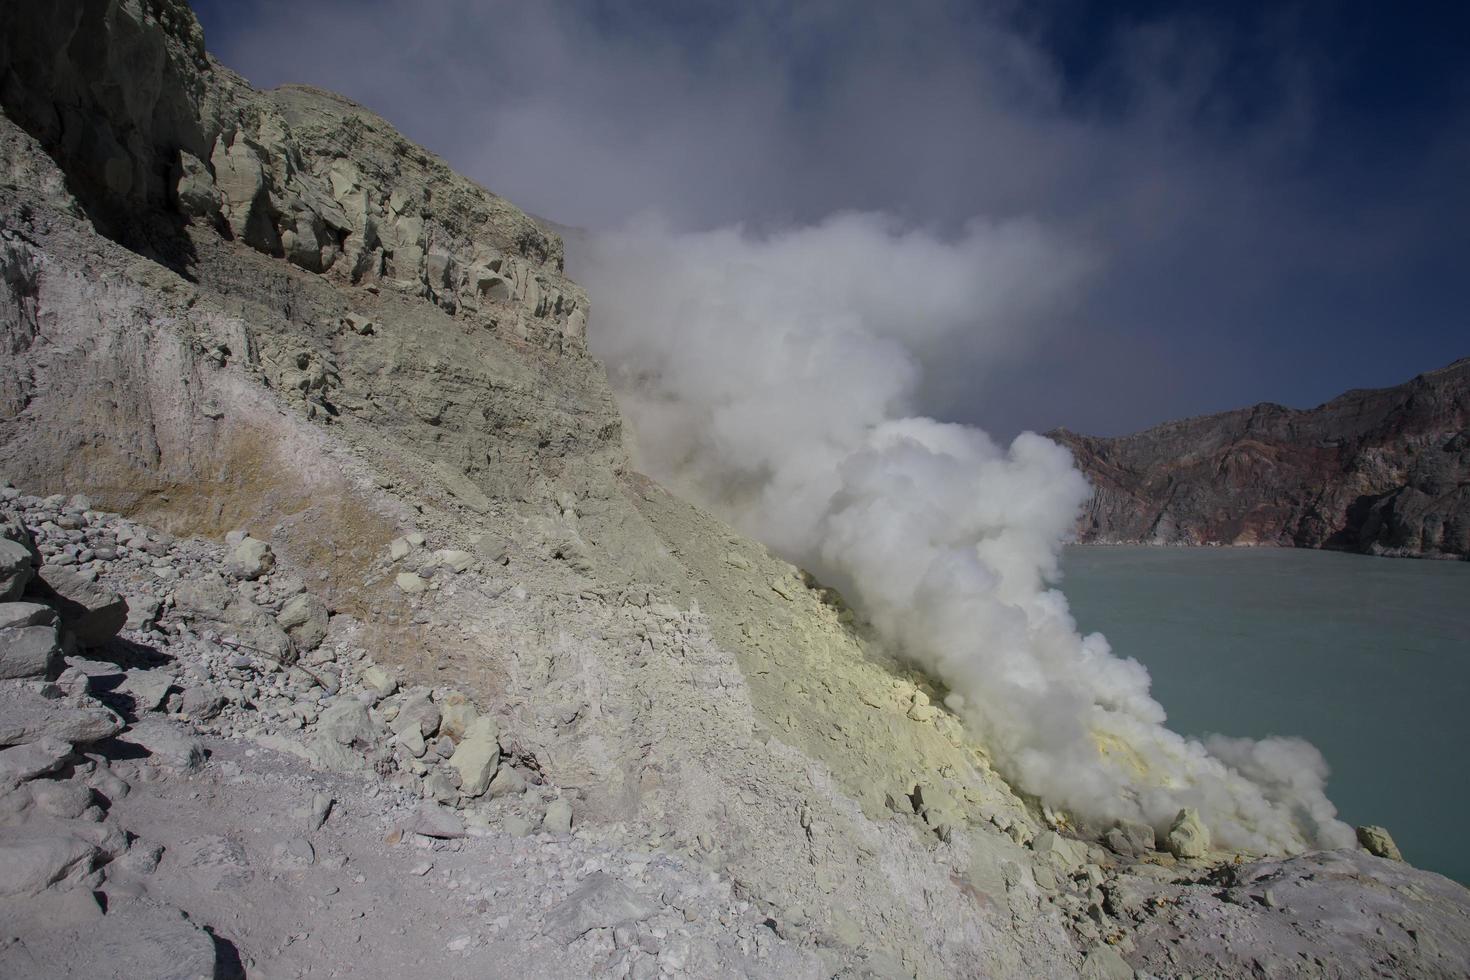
x,y
1383,471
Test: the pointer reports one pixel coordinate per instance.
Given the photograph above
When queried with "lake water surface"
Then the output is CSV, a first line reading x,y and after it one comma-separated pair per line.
x,y
1368,658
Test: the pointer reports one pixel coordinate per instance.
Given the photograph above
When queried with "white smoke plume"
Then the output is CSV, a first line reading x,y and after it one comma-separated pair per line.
x,y
774,377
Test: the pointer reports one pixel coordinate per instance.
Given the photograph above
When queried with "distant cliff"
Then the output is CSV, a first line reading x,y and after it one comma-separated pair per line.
x,y
1383,471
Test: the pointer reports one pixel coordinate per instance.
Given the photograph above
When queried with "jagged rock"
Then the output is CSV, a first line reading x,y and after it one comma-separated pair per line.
x,y
600,902
558,818
477,756
92,614
29,651
304,618
251,559
26,716
15,569
1379,842
1188,837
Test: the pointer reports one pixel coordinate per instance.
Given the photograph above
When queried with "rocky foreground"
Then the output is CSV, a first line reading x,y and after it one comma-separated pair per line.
x,y
202,775
1384,472
471,697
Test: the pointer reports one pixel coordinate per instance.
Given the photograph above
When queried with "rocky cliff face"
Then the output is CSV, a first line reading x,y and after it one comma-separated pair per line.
x,y
227,311
1385,472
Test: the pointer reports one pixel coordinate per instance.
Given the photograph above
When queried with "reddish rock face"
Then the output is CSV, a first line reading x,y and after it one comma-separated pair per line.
x,y
1382,471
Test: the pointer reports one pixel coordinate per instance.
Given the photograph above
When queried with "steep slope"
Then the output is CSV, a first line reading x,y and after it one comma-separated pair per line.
x,y
230,309
1383,471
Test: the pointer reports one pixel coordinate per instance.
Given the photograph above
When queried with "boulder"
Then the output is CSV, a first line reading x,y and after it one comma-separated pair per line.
x,y
410,582
64,799
195,190
456,714
477,756
203,598
1062,853
92,614
1379,842
258,630
148,688
1130,840
346,721
26,716
379,681
455,561
434,820
15,569
601,902
23,762
33,864
29,651
507,782
14,615
417,712
558,818
251,559
137,938
168,745
1188,837
304,618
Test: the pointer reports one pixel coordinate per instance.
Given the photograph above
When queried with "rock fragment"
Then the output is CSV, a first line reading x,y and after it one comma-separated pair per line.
x,y
1379,842
15,569
477,756
251,559
92,614
26,716
601,902
29,651
1188,837
304,618
558,818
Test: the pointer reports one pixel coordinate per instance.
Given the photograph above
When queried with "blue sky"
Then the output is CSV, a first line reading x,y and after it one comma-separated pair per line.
x,y
1275,195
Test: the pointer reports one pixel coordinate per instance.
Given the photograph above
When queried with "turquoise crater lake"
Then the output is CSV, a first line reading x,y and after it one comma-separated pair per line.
x,y
1368,658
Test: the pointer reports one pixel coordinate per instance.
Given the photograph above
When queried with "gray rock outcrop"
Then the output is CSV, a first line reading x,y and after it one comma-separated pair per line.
x,y
1384,471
